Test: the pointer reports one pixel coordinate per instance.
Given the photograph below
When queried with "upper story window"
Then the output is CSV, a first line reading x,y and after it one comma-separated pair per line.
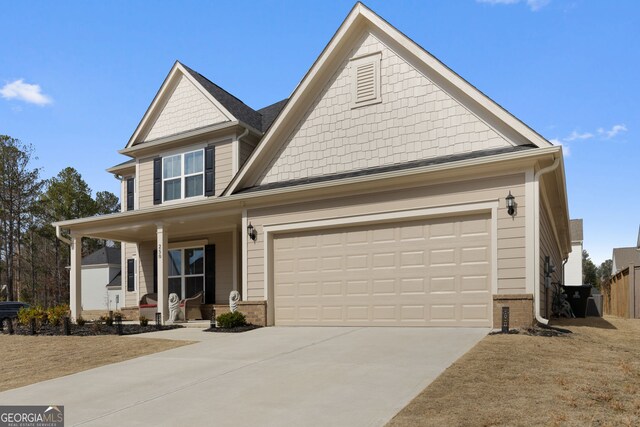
x,y
183,175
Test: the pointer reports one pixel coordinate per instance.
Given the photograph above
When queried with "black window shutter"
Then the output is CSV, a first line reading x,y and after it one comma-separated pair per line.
x,y
130,186
155,272
131,277
210,274
209,171
157,180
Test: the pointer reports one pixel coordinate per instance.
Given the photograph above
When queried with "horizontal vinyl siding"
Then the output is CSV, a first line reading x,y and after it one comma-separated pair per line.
x,y
246,148
548,247
511,231
223,166
145,183
145,277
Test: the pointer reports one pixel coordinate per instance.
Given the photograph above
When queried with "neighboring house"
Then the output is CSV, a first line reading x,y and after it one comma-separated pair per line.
x,y
573,267
623,258
375,195
101,288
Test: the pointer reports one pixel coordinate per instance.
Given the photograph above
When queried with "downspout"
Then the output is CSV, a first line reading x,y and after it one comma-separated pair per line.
x,y
61,237
536,282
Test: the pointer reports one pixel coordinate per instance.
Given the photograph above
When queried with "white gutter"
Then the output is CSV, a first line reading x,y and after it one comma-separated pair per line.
x,y
536,197
61,237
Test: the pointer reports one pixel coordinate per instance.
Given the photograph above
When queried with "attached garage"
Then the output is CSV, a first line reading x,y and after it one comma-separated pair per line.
x,y
427,272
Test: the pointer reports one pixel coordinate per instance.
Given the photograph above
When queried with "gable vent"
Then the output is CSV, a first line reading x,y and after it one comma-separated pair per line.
x,y
365,80
365,87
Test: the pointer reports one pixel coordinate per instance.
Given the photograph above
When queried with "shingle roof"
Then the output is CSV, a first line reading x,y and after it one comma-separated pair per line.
x,y
624,257
389,168
575,227
116,281
270,112
106,255
239,109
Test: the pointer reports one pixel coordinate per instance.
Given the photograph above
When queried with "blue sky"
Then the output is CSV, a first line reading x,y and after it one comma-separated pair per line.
x,y
76,77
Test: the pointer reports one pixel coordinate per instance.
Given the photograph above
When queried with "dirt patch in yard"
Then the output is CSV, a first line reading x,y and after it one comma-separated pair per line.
x,y
31,359
588,378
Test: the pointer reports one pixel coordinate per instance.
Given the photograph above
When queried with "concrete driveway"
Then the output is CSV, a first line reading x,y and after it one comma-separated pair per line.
x,y
268,377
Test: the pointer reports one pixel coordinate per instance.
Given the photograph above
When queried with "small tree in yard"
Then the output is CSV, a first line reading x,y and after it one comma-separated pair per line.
x,y
589,271
604,271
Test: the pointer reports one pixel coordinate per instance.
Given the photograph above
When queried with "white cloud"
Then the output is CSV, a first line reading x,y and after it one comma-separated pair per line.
x,y
601,133
26,92
576,135
615,130
534,5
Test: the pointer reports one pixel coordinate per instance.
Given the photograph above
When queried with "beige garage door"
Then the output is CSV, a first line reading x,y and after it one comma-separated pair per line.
x,y
420,273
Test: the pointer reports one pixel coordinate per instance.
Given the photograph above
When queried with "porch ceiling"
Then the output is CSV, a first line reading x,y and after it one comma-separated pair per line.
x,y
178,226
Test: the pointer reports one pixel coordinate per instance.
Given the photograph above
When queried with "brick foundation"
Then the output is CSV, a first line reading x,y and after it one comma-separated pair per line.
x,y
255,311
520,310
129,313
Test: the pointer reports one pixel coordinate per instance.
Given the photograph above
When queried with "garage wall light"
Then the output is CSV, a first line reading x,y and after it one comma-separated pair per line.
x,y
511,204
252,233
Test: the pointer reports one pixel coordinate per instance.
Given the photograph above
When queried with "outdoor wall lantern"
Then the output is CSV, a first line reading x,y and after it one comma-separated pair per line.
x,y
511,204
251,232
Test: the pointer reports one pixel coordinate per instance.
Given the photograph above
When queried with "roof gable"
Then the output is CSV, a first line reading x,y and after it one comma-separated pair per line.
x,y
239,109
106,255
365,31
624,257
181,104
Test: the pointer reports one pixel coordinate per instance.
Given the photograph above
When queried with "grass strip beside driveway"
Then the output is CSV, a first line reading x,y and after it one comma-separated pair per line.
x,y
30,359
590,377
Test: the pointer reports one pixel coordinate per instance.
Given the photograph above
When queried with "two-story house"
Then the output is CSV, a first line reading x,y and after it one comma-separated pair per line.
x,y
386,190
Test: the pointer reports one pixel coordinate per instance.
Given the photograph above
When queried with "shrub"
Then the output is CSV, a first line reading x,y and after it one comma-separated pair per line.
x,y
144,321
97,324
80,321
108,320
117,315
231,320
56,313
26,314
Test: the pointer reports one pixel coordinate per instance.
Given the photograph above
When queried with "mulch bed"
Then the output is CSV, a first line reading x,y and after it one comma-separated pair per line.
x,y
233,330
536,331
89,329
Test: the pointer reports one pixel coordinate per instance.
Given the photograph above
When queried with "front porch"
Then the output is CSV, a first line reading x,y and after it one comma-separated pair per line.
x,y
191,252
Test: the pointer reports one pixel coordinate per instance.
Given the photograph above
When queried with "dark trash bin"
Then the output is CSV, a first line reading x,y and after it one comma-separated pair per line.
x,y
578,297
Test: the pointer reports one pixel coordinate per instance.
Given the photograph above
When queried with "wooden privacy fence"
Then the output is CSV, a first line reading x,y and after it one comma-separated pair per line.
x,y
621,294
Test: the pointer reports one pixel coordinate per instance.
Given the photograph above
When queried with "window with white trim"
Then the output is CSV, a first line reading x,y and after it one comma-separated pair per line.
x,y
365,80
183,175
186,271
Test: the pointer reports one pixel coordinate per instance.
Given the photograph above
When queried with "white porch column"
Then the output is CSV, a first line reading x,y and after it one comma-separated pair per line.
x,y
75,277
163,269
